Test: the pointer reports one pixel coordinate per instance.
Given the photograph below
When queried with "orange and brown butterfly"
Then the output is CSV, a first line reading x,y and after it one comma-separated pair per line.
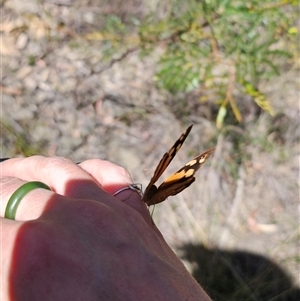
x,y
178,181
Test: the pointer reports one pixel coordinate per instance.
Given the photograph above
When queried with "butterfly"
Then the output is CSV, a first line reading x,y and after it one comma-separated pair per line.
x,y
178,181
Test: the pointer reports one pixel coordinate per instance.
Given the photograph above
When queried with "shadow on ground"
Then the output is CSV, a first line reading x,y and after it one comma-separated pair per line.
x,y
237,275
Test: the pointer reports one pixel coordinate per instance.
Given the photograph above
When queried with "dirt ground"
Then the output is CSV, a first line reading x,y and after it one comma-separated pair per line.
x,y
59,97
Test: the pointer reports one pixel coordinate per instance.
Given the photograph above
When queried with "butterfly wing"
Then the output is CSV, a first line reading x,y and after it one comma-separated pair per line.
x,y
163,164
165,190
178,181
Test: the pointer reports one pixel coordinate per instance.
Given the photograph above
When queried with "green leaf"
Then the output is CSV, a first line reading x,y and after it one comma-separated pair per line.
x,y
220,117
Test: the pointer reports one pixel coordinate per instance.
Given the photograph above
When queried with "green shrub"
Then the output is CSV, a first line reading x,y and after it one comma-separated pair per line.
x,y
225,46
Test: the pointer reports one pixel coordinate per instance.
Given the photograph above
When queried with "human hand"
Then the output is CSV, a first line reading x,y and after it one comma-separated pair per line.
x,y
79,242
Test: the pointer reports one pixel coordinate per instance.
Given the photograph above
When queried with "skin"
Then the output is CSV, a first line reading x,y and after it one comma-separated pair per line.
x,y
79,242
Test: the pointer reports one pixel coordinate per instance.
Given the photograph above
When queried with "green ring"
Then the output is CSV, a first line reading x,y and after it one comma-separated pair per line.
x,y
14,200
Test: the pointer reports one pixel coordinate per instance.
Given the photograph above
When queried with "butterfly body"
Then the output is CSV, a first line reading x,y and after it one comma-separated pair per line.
x,y
178,181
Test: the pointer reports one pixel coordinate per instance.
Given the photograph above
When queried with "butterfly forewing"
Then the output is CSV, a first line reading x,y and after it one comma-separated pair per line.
x,y
166,159
190,168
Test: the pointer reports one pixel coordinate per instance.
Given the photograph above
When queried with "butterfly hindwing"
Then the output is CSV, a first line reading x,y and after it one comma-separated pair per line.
x,y
165,190
178,181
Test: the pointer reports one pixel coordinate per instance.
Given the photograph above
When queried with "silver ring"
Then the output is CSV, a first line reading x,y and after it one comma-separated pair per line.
x,y
134,187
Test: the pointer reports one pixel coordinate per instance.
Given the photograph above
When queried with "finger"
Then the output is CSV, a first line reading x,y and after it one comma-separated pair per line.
x,y
36,201
110,176
69,179
113,178
62,175
31,205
